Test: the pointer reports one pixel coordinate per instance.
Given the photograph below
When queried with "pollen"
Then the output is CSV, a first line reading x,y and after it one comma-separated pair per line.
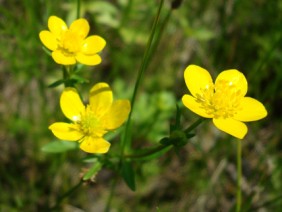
x,y
221,100
90,125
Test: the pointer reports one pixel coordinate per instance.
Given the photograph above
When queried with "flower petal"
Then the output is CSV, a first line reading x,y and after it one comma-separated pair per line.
x,y
80,27
233,127
61,58
116,115
252,110
94,145
48,39
93,44
71,104
191,103
56,26
90,60
101,98
236,78
65,131
196,79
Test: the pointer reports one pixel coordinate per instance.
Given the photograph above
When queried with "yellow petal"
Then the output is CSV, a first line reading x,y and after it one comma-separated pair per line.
x,y
57,26
89,60
65,131
80,27
94,145
71,104
233,127
196,79
235,78
191,103
93,44
61,58
101,98
48,39
116,115
251,110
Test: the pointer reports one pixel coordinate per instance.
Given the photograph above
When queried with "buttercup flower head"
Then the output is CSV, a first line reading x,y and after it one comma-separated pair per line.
x,y
71,45
91,122
224,101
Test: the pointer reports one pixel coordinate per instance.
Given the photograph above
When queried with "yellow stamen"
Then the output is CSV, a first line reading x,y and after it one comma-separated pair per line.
x,y
70,43
221,100
90,125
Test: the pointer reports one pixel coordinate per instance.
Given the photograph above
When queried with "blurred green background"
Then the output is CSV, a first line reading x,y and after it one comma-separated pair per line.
x,y
217,35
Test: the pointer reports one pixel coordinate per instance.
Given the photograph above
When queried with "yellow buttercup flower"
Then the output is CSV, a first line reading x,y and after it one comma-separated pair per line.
x,y
71,45
224,101
91,122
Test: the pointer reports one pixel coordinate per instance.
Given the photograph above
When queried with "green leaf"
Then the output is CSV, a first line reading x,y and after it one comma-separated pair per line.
x,y
92,172
90,158
128,174
154,154
79,79
56,83
59,146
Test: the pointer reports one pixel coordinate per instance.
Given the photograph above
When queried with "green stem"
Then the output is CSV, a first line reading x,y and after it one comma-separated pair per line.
x,y
139,77
239,176
108,206
162,147
78,9
149,152
66,75
65,195
67,72
194,125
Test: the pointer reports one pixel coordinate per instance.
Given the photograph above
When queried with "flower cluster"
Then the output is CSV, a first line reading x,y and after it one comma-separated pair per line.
x,y
224,101
69,46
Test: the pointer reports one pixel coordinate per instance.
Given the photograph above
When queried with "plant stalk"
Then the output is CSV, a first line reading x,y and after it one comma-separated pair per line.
x,y
239,176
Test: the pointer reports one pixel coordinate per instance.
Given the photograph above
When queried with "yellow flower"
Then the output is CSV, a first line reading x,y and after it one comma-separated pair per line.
x,y
91,122
224,101
69,45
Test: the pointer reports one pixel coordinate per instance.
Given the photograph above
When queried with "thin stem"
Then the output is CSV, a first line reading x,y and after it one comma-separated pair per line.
x,y
148,153
194,125
65,195
78,9
66,75
239,176
140,75
108,206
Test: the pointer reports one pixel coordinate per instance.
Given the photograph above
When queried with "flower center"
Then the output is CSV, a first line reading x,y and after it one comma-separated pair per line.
x,y
221,100
90,125
70,42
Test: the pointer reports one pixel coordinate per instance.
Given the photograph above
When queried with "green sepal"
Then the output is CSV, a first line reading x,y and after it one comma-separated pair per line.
x,y
47,51
165,141
92,172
